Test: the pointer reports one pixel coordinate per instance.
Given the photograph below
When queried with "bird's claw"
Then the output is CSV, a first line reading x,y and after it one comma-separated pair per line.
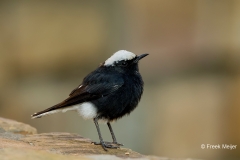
x,y
119,144
113,145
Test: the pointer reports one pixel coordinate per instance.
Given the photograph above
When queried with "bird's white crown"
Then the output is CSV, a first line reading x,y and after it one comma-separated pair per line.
x,y
119,56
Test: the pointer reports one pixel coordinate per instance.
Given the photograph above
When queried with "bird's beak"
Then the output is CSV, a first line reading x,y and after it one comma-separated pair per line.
x,y
140,57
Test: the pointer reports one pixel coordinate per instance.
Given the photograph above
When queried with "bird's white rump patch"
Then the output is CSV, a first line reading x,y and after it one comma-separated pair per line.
x,y
87,110
119,56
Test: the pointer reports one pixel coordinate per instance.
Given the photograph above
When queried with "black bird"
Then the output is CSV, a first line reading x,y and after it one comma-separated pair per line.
x,y
108,93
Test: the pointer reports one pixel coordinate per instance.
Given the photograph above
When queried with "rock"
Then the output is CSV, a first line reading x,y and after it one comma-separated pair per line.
x,y
20,141
73,144
16,127
30,154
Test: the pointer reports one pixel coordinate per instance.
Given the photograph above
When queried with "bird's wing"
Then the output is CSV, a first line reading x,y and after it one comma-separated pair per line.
x,y
93,87
98,84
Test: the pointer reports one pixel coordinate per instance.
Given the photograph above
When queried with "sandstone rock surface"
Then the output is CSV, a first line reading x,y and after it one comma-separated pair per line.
x,y
21,141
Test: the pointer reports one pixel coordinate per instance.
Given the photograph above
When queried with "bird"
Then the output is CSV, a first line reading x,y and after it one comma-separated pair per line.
x,y
108,93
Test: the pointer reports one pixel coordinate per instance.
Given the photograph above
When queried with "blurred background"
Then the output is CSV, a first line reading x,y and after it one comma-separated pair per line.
x,y
192,75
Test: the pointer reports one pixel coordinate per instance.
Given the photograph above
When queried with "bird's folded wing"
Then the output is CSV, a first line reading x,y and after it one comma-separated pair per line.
x,y
98,84
90,89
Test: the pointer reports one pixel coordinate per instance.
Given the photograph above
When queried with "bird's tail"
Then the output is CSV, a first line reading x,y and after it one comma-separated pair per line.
x,y
63,106
54,109
46,112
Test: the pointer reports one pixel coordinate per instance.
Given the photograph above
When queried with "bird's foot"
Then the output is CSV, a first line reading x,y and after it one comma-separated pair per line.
x,y
119,144
104,144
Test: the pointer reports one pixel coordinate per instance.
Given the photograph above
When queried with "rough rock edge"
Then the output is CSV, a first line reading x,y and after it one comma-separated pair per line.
x,y
20,141
16,127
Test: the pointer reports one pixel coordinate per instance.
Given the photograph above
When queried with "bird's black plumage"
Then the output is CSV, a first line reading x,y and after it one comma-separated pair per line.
x,y
114,91
126,88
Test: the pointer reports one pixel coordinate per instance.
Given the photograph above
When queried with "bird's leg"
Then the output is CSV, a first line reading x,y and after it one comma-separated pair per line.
x,y
113,136
103,144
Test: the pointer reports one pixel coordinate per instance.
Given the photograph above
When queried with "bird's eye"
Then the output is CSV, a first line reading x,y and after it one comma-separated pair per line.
x,y
124,63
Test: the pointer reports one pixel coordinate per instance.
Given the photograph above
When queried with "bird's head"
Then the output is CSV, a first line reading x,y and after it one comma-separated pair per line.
x,y
124,59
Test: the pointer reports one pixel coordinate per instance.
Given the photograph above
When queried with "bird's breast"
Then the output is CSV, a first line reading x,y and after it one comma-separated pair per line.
x,y
122,101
